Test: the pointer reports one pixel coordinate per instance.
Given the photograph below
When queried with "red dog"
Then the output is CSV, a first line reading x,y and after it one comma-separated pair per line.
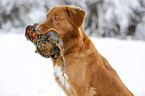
x,y
87,73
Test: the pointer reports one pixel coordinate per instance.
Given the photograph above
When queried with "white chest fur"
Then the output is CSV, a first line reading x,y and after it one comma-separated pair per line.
x,y
62,79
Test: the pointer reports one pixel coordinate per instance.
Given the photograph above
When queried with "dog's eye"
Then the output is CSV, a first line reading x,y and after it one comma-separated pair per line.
x,y
55,18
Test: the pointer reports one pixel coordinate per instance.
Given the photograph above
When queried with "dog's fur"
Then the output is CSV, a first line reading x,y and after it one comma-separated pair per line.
x,y
87,73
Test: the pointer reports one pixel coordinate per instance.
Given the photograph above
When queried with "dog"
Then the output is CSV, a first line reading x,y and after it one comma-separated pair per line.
x,y
87,72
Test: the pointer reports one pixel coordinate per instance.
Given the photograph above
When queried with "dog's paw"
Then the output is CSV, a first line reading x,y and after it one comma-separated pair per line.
x,y
91,91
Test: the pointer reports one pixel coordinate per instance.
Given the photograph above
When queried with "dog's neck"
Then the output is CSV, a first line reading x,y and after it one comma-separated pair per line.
x,y
69,41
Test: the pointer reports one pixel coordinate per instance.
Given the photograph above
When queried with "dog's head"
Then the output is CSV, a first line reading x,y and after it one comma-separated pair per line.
x,y
62,19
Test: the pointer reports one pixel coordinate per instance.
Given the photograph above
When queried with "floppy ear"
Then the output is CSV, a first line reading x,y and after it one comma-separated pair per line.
x,y
75,15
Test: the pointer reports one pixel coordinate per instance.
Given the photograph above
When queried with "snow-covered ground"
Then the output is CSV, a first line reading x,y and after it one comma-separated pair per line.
x,y
25,73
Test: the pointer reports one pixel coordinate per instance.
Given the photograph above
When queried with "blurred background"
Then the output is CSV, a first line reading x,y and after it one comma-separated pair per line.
x,y
105,18
116,27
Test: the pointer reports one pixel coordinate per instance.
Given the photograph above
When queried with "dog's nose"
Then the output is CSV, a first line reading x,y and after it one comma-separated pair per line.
x,y
38,30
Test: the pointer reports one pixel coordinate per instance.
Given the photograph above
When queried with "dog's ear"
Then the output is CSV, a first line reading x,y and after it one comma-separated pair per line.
x,y
75,15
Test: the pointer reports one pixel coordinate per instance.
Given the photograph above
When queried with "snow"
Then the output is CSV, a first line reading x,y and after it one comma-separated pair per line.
x,y
25,73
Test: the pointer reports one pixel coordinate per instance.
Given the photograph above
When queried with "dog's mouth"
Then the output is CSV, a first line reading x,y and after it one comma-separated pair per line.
x,y
47,45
